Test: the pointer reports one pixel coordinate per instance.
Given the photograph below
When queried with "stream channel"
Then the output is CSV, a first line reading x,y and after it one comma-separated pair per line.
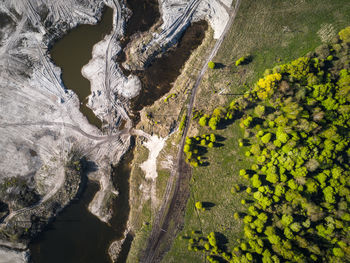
x,y
77,236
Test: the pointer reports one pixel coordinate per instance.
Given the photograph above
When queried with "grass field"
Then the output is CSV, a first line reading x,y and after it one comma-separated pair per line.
x,y
272,32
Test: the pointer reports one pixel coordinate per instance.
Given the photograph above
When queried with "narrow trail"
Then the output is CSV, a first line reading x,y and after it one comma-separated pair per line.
x,y
66,125
161,221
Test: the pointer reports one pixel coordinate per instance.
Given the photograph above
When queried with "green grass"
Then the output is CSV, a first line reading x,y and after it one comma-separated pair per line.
x,y
273,32
213,184
142,234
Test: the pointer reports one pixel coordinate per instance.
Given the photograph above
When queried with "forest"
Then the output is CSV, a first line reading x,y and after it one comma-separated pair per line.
x,y
296,123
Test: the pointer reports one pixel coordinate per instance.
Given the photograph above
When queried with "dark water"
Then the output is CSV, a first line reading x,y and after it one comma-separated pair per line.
x,y
76,236
144,15
157,79
73,51
120,177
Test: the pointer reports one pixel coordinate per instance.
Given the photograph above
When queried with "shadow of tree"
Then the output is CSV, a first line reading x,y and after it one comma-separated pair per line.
x,y
219,65
208,205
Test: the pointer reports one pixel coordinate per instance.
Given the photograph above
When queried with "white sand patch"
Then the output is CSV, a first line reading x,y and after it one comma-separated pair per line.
x,y
213,11
107,79
106,187
155,144
11,256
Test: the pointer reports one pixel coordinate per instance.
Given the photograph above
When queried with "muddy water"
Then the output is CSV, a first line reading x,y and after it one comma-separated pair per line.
x,y
73,51
157,79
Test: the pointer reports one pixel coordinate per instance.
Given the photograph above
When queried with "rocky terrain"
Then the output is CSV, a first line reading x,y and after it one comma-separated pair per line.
x,y
40,122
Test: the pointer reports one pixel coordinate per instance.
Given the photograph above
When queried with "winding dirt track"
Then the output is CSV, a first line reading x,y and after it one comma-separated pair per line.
x,y
172,201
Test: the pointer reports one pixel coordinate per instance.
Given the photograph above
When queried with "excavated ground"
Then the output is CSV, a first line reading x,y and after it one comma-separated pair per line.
x,y
40,121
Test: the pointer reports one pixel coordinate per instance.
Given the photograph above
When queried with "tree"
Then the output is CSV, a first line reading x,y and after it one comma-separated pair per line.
x,y
296,227
187,148
199,206
211,64
286,219
242,60
272,176
212,239
288,233
259,110
203,121
249,190
256,181
344,34
281,135
266,138
213,122
329,194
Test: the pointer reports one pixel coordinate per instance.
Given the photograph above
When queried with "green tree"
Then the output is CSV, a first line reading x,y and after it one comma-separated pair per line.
x,y
199,206
213,122
211,64
266,138
344,34
203,121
